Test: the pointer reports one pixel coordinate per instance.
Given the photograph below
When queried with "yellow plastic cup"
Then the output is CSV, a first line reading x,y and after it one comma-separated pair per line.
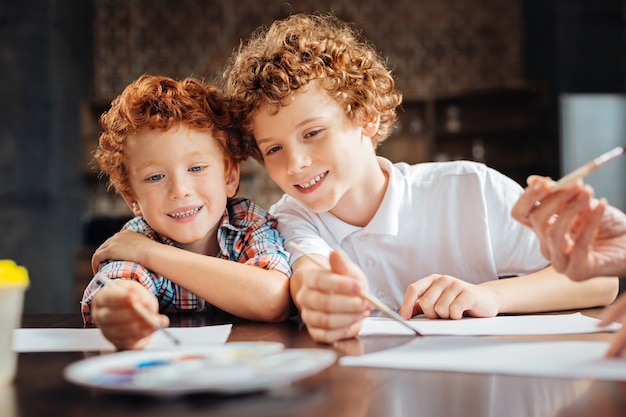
x,y
13,284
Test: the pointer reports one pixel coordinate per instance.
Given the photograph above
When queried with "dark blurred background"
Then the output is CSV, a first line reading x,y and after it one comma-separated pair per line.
x,y
525,86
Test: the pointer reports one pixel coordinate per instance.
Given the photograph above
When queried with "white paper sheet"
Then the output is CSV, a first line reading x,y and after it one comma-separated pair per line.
x,y
73,340
559,359
546,324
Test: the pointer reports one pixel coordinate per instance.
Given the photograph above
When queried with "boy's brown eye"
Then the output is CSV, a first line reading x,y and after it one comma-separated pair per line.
x,y
312,133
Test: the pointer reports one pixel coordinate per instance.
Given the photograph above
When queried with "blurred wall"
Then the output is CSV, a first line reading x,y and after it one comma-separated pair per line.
x,y
45,68
57,55
434,46
592,124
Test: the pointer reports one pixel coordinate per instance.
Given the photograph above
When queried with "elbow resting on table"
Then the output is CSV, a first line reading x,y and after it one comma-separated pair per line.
x,y
277,315
607,290
278,305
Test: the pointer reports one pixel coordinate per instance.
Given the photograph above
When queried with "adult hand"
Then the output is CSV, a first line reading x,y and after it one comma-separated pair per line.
x,y
581,236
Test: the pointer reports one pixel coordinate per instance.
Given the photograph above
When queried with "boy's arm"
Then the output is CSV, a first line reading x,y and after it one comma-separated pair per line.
x,y
112,270
547,290
443,296
295,283
301,267
243,290
111,306
253,283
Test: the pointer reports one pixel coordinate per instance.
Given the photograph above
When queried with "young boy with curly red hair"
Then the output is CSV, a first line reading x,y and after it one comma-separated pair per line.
x,y
315,100
169,150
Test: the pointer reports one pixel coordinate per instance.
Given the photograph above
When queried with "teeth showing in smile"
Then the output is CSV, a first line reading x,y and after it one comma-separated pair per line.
x,y
313,181
185,214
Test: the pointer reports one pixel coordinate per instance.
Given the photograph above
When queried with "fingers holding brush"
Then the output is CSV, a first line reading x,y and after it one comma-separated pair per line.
x,y
127,314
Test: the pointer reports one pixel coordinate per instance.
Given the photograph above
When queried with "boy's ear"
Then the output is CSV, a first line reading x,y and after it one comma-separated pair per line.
x,y
371,126
132,204
232,180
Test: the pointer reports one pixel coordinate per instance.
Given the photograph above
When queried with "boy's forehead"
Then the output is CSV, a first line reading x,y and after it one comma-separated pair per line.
x,y
272,106
178,134
310,92
178,130
294,106
313,104
267,108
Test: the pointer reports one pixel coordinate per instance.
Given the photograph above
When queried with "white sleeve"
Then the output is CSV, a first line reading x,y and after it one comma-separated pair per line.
x,y
299,225
516,247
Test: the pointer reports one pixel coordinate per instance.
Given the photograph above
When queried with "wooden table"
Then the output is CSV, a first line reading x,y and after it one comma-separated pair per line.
x,y
40,390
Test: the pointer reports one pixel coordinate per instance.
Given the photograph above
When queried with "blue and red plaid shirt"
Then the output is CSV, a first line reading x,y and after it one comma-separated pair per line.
x,y
247,234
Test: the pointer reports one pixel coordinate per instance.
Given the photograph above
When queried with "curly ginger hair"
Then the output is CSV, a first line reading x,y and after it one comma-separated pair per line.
x,y
278,61
158,102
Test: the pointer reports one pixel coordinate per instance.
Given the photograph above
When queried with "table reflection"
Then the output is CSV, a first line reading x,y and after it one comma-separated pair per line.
x,y
338,391
465,395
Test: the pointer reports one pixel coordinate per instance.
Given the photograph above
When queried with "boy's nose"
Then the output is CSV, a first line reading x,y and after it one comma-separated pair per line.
x,y
179,187
297,160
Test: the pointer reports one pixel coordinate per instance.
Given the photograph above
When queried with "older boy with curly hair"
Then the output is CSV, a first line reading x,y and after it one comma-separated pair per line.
x,y
315,100
169,150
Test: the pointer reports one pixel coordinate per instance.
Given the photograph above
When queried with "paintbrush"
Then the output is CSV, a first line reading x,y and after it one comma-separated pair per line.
x,y
589,167
143,312
369,297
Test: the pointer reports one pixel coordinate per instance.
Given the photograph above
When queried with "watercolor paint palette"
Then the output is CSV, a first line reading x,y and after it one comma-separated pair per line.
x,y
236,367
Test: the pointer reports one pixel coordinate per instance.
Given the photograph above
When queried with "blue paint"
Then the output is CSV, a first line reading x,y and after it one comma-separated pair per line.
x,y
152,363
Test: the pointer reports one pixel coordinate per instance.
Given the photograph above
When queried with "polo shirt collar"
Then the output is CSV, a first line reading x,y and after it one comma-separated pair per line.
x,y
385,221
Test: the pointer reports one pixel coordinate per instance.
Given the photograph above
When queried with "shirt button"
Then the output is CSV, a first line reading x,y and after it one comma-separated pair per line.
x,y
380,294
363,238
370,263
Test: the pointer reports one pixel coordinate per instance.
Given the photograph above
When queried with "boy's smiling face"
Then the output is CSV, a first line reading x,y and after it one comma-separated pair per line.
x,y
316,154
179,184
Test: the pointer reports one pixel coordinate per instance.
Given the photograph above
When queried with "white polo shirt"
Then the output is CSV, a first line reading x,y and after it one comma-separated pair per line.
x,y
449,218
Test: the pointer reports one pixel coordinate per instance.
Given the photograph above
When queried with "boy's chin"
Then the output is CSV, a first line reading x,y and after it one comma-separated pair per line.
x,y
195,242
318,206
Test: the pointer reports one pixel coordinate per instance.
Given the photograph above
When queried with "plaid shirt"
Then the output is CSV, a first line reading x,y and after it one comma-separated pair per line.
x,y
247,234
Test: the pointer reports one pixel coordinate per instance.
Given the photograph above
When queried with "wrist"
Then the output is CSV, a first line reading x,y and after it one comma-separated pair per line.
x,y
497,296
146,254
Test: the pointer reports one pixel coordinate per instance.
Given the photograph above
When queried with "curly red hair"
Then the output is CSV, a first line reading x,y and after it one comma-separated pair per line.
x,y
277,61
157,102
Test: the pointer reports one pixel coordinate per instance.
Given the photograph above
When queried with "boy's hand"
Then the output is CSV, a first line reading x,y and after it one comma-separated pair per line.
x,y
446,297
330,302
113,312
122,246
